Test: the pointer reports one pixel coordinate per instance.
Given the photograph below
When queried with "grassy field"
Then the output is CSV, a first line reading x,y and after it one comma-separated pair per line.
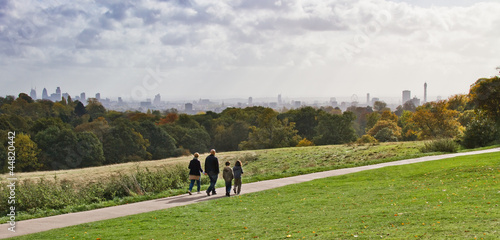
x,y
258,163
455,198
92,188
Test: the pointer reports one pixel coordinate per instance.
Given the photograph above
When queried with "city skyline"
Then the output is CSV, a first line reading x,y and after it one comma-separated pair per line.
x,y
218,50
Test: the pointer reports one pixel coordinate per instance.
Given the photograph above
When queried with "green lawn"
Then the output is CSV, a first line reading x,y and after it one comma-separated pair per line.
x,y
447,199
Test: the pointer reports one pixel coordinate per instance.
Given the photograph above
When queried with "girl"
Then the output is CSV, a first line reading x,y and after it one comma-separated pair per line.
x,y
237,171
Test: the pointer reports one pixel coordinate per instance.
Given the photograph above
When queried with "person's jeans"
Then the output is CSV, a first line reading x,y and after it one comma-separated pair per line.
x,y
228,187
198,184
213,181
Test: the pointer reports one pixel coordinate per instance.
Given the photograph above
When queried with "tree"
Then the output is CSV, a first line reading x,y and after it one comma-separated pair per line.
x,y
335,129
392,131
95,109
481,131
26,154
271,132
434,120
379,106
305,120
88,150
161,144
123,144
485,94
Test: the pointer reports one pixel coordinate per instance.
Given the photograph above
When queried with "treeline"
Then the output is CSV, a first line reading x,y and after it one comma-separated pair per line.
x,y
67,134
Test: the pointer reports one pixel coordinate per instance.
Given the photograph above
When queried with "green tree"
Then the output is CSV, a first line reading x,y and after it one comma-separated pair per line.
x,y
305,119
271,132
481,131
335,129
162,145
88,151
485,94
95,109
123,144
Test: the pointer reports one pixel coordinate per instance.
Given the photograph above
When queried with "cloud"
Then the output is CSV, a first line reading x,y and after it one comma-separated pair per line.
x,y
308,38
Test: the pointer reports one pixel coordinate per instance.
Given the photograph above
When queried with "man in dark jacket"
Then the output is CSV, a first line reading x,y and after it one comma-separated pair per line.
x,y
212,169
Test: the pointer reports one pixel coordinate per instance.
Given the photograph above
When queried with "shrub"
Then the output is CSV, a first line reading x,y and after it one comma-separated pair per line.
x,y
440,145
305,143
366,139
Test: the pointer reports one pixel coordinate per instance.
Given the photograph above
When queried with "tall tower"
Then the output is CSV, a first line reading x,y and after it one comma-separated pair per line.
x,y
425,92
45,95
368,99
33,94
406,96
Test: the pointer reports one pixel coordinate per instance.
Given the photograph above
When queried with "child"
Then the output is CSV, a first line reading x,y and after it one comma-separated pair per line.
x,y
237,170
227,174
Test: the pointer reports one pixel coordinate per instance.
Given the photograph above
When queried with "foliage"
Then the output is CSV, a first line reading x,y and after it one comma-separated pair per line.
x,y
441,145
434,120
335,129
389,131
485,94
481,131
366,139
271,133
26,154
123,143
305,143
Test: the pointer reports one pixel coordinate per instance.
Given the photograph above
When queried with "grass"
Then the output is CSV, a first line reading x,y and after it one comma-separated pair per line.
x,y
454,198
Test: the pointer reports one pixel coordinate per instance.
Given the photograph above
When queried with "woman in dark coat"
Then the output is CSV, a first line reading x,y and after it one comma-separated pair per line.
x,y
195,172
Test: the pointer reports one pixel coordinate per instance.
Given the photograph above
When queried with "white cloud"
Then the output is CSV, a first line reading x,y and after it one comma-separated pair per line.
x,y
279,44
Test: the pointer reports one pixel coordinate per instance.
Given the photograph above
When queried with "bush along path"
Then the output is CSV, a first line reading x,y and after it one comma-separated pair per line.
x,y
48,223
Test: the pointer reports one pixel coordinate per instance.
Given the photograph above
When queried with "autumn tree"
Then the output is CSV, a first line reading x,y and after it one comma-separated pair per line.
x,y
434,120
26,154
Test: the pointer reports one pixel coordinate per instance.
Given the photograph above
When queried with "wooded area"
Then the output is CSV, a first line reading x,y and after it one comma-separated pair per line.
x,y
67,134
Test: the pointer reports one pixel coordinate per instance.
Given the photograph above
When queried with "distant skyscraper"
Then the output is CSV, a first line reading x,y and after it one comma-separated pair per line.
x,y
279,99
157,100
425,92
98,96
83,98
56,96
250,101
65,96
45,95
33,94
406,96
368,99
188,107
58,90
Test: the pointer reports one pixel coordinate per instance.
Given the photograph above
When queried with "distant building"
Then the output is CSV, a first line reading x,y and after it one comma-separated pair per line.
x,y
33,94
98,96
45,95
65,96
415,101
82,97
279,99
188,107
297,104
333,102
368,99
406,96
250,101
56,97
146,103
157,100
425,92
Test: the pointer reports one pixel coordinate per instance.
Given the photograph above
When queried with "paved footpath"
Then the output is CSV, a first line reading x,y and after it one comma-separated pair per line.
x,y
65,220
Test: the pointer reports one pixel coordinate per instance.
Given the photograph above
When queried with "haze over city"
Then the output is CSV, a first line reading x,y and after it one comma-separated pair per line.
x,y
188,49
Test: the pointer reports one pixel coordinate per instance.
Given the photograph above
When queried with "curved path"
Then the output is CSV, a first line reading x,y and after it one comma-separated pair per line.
x,y
65,220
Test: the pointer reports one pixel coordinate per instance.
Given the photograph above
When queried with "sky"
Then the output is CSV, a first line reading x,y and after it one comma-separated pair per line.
x,y
216,49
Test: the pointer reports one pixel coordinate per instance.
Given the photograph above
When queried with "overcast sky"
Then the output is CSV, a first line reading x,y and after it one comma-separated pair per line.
x,y
191,49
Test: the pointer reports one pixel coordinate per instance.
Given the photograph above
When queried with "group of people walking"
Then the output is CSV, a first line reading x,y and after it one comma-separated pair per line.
x,y
212,170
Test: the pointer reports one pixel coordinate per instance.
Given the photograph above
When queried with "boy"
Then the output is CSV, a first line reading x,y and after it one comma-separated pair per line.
x,y
227,174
